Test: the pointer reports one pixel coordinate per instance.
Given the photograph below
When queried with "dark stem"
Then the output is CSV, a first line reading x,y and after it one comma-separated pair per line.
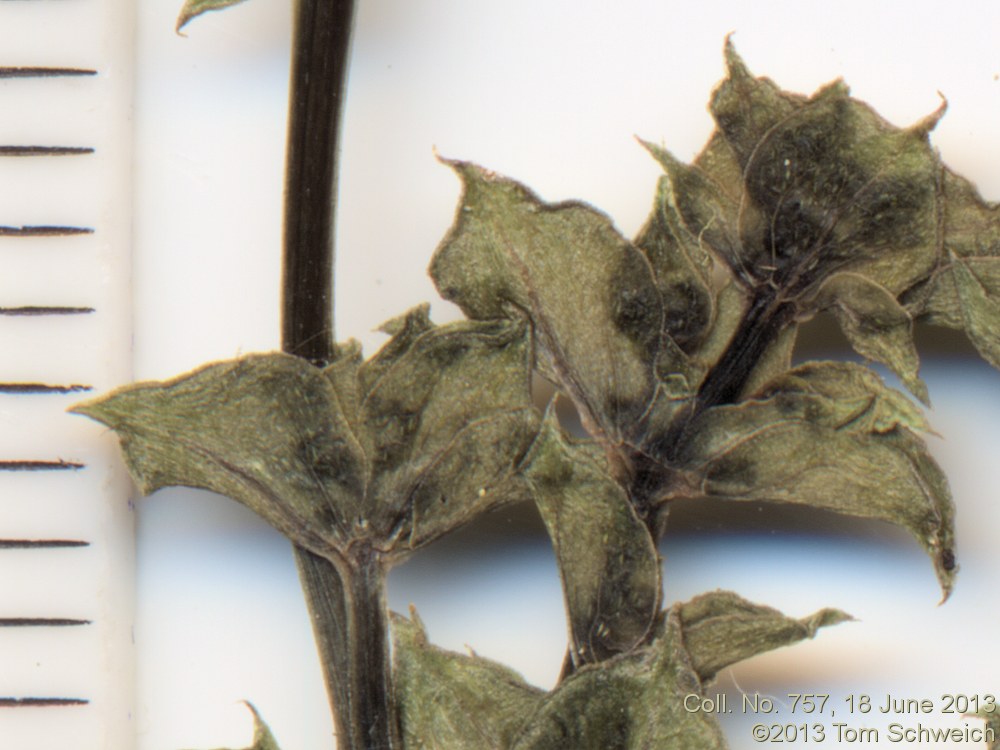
x,y
760,327
320,53
350,624
347,602
764,321
651,475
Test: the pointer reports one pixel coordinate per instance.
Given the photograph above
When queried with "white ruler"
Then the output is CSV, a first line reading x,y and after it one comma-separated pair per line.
x,y
66,565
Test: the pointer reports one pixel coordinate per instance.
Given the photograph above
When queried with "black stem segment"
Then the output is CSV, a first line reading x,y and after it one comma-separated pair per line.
x,y
346,602
320,54
760,327
765,319
350,624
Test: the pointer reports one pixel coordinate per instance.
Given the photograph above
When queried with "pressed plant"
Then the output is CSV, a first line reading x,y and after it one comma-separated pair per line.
x,y
675,350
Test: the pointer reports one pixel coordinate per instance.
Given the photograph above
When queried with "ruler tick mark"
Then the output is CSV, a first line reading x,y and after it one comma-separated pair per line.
x,y
42,543
44,150
40,465
31,388
43,622
9,702
44,72
43,231
29,310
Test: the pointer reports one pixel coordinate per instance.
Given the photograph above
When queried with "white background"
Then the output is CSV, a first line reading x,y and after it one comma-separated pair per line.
x,y
550,93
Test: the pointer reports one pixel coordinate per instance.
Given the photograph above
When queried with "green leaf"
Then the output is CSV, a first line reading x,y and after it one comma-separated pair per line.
x,y
776,360
827,185
594,306
266,430
849,397
964,289
721,628
450,701
965,294
448,421
682,266
608,562
396,451
746,108
262,737
832,436
878,327
633,702
978,286
731,304
194,8
343,374
404,330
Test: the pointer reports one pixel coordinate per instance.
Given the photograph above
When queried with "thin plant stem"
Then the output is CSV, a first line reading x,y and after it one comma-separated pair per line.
x,y
350,624
347,601
320,54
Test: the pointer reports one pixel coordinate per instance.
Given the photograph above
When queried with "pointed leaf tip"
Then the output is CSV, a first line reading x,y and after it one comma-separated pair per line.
x,y
735,67
262,737
721,628
194,8
419,315
86,409
101,409
923,127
